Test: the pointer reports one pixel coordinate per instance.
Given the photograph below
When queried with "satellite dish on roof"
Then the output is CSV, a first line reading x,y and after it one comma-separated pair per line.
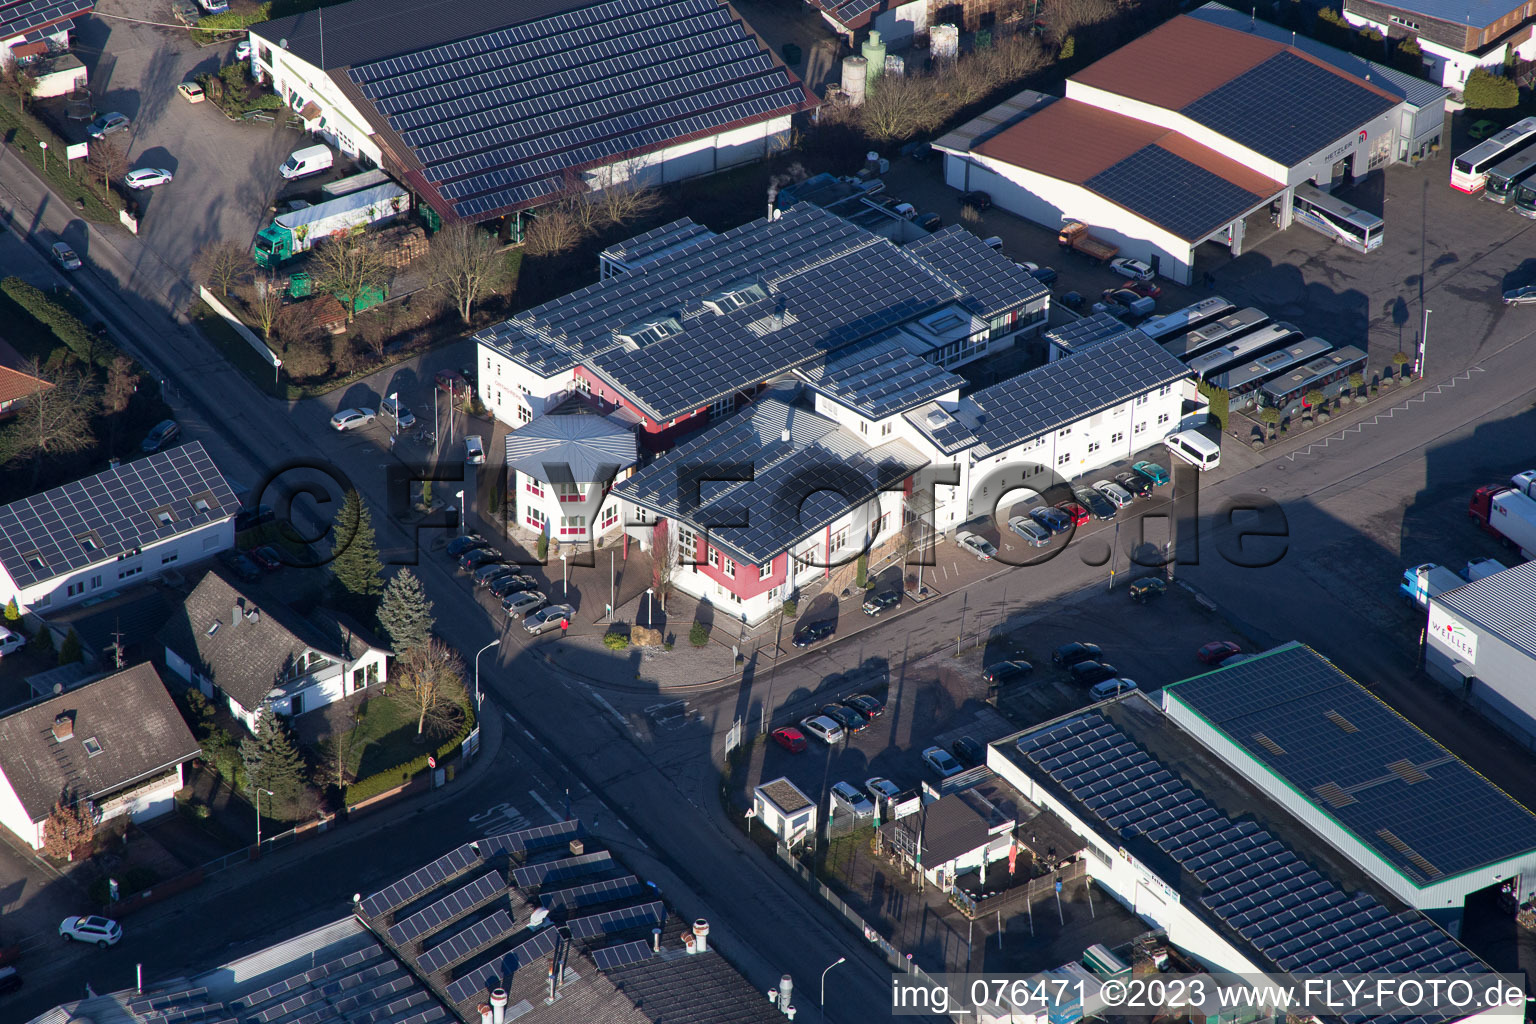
x,y
283,43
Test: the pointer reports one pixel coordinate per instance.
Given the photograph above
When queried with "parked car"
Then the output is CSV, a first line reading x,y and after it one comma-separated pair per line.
x,y
1147,588
941,761
823,728
1100,506
1073,300
846,717
1034,534
968,752
147,177
10,642
250,518
1070,654
880,788
812,632
864,704
163,434
488,574
880,602
108,124
454,383
403,417
524,603
792,740
549,618
99,930
978,546
1045,275
1137,484
1117,495
243,50
476,557
1146,289
904,210
65,257
1111,688
474,450
1006,672
10,980
1522,296
1074,512
243,568
976,200
852,800
517,583
1482,129
268,557
1217,651
351,419
1133,269
1053,519
191,91
1086,673
1156,475
929,222
459,545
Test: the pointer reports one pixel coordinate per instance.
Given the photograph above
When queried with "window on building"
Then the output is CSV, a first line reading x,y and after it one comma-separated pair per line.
x,y
765,570
96,582
1165,390
1117,437
573,526
839,540
610,515
885,430
583,385
1138,428
92,746
75,588
714,558
35,561
864,427
534,487
722,406
773,594
1064,431
728,566
1064,458
1141,399
90,542
1162,418
536,519
164,516
1093,446
169,557
569,492
523,415
687,544
132,570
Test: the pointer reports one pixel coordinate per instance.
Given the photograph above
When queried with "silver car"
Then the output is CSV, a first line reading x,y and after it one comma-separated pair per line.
x,y
525,603
978,546
548,618
1035,535
1114,492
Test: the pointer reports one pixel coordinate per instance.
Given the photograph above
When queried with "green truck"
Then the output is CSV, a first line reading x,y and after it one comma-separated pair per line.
x,y
292,233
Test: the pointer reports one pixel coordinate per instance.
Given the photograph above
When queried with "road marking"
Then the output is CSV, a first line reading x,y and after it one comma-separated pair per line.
x,y
611,709
1356,428
529,735
548,809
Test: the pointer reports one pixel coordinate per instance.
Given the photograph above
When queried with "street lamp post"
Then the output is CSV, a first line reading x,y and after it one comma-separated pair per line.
x,y
481,651
270,797
565,590
462,517
649,621
823,1002
395,398
1418,368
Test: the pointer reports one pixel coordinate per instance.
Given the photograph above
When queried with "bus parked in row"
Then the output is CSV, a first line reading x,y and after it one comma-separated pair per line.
x,y
1469,172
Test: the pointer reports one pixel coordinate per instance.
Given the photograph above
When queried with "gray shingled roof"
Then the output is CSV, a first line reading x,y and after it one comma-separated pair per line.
x,y
1051,396
571,448
1504,603
94,520
792,489
249,655
129,716
950,827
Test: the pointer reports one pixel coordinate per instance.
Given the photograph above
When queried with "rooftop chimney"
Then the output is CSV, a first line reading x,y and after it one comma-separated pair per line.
x,y
253,615
63,726
701,936
234,616
655,940
498,1005
485,1013
784,435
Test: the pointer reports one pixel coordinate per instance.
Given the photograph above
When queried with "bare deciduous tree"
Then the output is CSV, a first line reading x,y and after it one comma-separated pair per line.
x,y
19,82
462,262
431,682
266,301
122,382
1065,17
552,232
625,195
903,106
55,418
106,160
349,266
222,265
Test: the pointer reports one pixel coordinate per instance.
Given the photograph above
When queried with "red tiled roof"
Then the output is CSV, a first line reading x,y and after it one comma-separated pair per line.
x,y
1073,141
1183,59
15,385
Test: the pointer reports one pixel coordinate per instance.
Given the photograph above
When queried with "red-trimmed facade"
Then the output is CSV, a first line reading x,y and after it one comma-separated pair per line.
x,y
653,435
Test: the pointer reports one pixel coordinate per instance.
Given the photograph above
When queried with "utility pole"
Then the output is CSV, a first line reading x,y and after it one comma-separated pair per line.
x,y
1418,364
611,594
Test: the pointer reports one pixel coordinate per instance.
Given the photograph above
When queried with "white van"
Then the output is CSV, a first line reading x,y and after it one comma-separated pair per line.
x,y
10,642
301,163
1195,448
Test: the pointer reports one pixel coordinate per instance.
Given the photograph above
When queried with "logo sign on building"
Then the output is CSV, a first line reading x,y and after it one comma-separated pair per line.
x,y
1452,634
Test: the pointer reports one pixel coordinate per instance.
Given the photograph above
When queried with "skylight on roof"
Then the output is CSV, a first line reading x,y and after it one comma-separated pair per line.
x,y
35,560
92,746
735,295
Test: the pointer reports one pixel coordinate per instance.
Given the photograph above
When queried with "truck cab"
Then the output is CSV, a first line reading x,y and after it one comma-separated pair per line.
x,y
273,246
1423,582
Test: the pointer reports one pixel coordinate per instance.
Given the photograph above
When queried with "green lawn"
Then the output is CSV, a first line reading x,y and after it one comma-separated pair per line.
x,y
385,736
236,349
23,132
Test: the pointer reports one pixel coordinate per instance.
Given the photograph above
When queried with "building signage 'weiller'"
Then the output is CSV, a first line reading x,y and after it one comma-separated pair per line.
x,y
1452,633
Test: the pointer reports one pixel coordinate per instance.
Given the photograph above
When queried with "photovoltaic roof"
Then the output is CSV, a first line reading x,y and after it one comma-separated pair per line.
x,y
1177,195
1086,331
500,117
17,19
1256,886
1414,803
1288,107
100,517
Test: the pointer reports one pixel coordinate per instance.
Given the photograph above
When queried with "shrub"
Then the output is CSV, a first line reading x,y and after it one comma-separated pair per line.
x,y
698,635
64,324
131,882
791,608
12,610
399,775
1486,90
1219,399
615,641
543,547
861,580
1068,48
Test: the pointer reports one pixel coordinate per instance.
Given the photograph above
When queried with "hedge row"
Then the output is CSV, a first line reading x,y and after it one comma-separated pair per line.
x,y
399,775
64,324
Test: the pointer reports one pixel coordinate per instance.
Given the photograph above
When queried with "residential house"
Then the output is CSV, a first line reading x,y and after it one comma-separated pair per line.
x,y
123,526
16,385
257,656
117,743
489,109
1454,38
34,28
561,466
955,834
687,325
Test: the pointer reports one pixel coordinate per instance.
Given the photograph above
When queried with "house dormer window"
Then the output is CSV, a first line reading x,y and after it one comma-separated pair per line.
x,y
203,502
734,296
35,561
649,330
90,541
163,516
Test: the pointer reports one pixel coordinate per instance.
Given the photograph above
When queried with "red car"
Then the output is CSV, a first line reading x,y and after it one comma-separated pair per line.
x,y
1217,651
792,740
1074,512
1146,289
266,557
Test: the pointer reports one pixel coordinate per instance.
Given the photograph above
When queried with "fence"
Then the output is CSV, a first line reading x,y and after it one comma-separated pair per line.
x,y
239,328
1030,891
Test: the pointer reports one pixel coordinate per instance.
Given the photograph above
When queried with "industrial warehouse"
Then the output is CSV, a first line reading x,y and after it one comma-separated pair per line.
x,y
1191,132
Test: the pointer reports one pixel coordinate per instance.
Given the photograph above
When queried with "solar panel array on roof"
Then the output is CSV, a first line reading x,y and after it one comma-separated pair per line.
x,y
20,18
490,974
881,378
538,838
1414,803
361,987
1179,196
1275,901
593,892
421,881
1287,108
455,904
1087,330
568,867
647,914
477,936
499,120
113,513
610,957
989,282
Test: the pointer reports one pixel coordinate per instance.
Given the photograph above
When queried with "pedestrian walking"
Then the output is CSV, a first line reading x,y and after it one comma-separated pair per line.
x,y
565,625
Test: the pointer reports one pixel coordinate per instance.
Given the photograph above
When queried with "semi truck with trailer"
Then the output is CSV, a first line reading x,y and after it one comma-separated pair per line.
x,y
1074,235
1423,582
294,232
1506,513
